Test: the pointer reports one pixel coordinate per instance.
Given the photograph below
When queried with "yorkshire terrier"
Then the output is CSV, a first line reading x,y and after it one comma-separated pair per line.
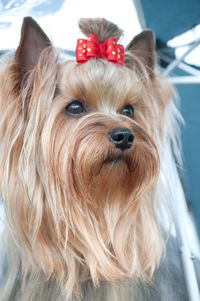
x,y
81,148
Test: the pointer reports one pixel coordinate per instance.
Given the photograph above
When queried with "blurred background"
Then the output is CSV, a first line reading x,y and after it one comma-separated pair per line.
x,y
177,31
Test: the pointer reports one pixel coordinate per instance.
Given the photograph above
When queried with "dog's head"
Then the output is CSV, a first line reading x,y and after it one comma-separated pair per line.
x,y
80,156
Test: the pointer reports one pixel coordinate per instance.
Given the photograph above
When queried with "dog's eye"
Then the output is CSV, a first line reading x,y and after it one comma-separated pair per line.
x,y
75,108
128,111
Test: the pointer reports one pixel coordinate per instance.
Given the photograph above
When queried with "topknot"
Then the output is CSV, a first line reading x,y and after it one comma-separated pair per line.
x,y
101,28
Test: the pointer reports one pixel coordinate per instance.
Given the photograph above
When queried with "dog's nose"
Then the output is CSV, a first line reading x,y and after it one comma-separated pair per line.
x,y
122,138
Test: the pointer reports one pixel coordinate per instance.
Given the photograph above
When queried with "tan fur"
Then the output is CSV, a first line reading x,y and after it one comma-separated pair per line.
x,y
72,213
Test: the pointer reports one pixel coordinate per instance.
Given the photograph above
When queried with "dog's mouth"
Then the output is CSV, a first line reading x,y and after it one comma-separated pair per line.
x,y
114,161
113,177
117,161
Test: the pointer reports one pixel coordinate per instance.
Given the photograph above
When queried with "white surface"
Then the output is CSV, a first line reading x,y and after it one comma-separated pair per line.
x,y
62,27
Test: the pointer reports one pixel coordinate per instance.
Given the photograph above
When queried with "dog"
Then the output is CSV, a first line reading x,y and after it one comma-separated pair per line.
x,y
82,144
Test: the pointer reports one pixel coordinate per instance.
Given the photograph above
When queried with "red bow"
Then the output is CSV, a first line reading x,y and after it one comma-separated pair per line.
x,y
109,50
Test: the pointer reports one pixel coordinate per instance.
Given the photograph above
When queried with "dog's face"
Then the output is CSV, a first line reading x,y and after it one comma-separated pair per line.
x,y
82,160
102,145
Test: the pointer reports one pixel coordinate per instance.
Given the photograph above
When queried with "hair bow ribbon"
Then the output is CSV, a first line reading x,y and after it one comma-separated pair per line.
x,y
90,48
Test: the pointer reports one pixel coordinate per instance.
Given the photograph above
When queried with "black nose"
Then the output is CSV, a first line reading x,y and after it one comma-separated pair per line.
x,y
122,138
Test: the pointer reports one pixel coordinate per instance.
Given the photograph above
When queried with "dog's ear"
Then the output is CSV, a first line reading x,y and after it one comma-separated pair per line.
x,y
33,41
142,46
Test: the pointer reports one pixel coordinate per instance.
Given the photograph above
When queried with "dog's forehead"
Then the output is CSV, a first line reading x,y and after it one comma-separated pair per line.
x,y
100,82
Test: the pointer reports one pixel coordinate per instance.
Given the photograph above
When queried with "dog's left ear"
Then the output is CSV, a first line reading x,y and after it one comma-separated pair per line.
x,y
143,47
33,41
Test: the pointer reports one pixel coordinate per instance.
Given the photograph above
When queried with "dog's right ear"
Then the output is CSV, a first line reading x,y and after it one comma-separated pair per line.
x,y
142,47
33,41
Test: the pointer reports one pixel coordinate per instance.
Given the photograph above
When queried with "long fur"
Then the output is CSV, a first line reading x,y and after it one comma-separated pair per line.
x,y
78,220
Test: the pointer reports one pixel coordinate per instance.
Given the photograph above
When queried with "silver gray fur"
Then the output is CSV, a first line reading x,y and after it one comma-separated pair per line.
x,y
168,284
